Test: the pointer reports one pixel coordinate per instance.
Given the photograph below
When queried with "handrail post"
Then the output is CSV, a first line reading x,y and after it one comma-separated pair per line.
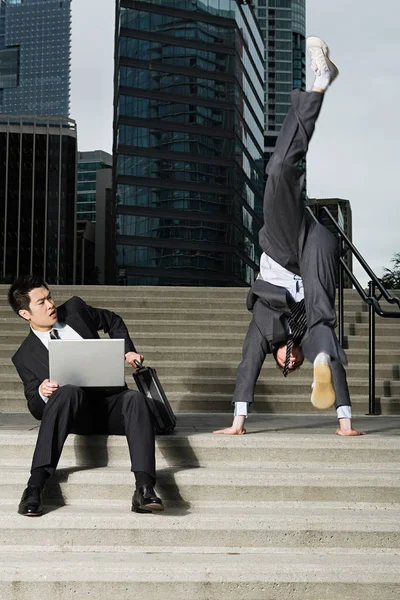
x,y
372,408
341,294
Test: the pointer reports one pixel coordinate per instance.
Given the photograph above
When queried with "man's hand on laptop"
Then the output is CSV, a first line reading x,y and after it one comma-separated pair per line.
x,y
47,387
130,358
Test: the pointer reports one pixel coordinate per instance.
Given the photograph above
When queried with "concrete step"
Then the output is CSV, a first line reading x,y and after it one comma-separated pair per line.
x,y
213,386
206,368
109,291
177,487
277,439
228,368
382,342
233,313
383,327
274,524
187,402
353,309
204,340
154,300
270,385
234,326
156,354
124,292
246,574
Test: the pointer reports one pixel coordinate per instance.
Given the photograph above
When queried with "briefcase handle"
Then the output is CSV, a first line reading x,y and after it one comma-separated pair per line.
x,y
138,364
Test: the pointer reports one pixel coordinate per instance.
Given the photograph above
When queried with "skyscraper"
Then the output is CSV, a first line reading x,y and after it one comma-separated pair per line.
x,y
283,23
37,198
35,57
188,142
88,165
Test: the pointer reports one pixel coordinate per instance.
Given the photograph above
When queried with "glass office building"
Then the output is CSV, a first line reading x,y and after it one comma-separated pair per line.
x,y
88,165
35,41
37,198
283,24
188,142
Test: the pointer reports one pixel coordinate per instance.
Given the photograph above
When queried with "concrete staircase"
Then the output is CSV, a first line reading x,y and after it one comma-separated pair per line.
x,y
194,336
288,512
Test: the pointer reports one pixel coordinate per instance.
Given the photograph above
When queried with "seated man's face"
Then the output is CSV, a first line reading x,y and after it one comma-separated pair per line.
x,y
42,313
296,357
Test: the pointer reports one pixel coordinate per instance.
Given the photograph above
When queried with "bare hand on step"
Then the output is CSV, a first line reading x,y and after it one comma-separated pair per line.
x,y
237,427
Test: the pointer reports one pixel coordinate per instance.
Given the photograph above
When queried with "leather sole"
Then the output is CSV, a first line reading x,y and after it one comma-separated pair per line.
x,y
323,393
147,508
30,514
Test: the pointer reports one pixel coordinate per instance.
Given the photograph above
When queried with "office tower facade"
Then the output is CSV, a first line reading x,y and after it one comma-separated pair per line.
x,y
35,41
88,165
283,23
37,198
188,142
105,228
85,254
342,213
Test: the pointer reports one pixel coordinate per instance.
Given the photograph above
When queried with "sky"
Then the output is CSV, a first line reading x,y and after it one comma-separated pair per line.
x,y
354,152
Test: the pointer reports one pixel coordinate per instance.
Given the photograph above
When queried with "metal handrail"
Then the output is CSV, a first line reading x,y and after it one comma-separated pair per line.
x,y
376,291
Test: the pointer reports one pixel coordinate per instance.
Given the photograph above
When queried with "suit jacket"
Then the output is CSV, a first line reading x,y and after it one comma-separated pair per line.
x,y
269,305
32,358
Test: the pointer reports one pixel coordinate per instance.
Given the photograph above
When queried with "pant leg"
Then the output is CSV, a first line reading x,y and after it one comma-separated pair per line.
x,y
128,414
318,268
255,349
340,384
67,407
285,219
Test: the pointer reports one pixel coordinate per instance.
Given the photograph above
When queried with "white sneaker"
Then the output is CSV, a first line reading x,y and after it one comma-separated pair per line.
x,y
323,393
325,70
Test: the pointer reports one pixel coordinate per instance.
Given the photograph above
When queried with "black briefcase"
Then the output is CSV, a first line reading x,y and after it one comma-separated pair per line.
x,y
149,385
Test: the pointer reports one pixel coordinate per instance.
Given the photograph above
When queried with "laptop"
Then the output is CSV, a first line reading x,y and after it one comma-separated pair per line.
x,y
87,363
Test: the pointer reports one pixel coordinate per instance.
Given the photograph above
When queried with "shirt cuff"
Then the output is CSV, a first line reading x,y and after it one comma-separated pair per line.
x,y
343,412
240,409
42,397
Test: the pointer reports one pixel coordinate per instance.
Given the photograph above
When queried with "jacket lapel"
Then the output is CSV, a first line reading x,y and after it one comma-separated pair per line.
x,y
38,352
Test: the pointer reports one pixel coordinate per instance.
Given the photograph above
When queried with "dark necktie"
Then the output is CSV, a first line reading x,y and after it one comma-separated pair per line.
x,y
298,326
54,335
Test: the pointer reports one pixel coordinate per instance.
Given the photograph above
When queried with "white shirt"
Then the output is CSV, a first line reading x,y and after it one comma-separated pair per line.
x,y
65,332
274,273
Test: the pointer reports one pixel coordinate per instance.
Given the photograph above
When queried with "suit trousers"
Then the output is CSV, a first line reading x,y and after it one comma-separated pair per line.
x,y
72,409
292,237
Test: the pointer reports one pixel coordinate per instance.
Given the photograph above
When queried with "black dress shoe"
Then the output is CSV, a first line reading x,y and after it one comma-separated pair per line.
x,y
144,500
31,502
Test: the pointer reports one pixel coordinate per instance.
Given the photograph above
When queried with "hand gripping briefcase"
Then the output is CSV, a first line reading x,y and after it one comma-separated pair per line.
x,y
149,385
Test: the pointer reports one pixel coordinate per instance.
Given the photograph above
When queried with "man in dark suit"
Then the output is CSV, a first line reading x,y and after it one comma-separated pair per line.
x,y
293,299
71,409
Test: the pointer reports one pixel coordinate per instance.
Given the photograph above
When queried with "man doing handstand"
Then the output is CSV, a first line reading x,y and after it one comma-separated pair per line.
x,y
293,299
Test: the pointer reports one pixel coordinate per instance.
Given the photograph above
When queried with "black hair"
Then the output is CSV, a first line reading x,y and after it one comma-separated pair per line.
x,y
18,294
274,354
